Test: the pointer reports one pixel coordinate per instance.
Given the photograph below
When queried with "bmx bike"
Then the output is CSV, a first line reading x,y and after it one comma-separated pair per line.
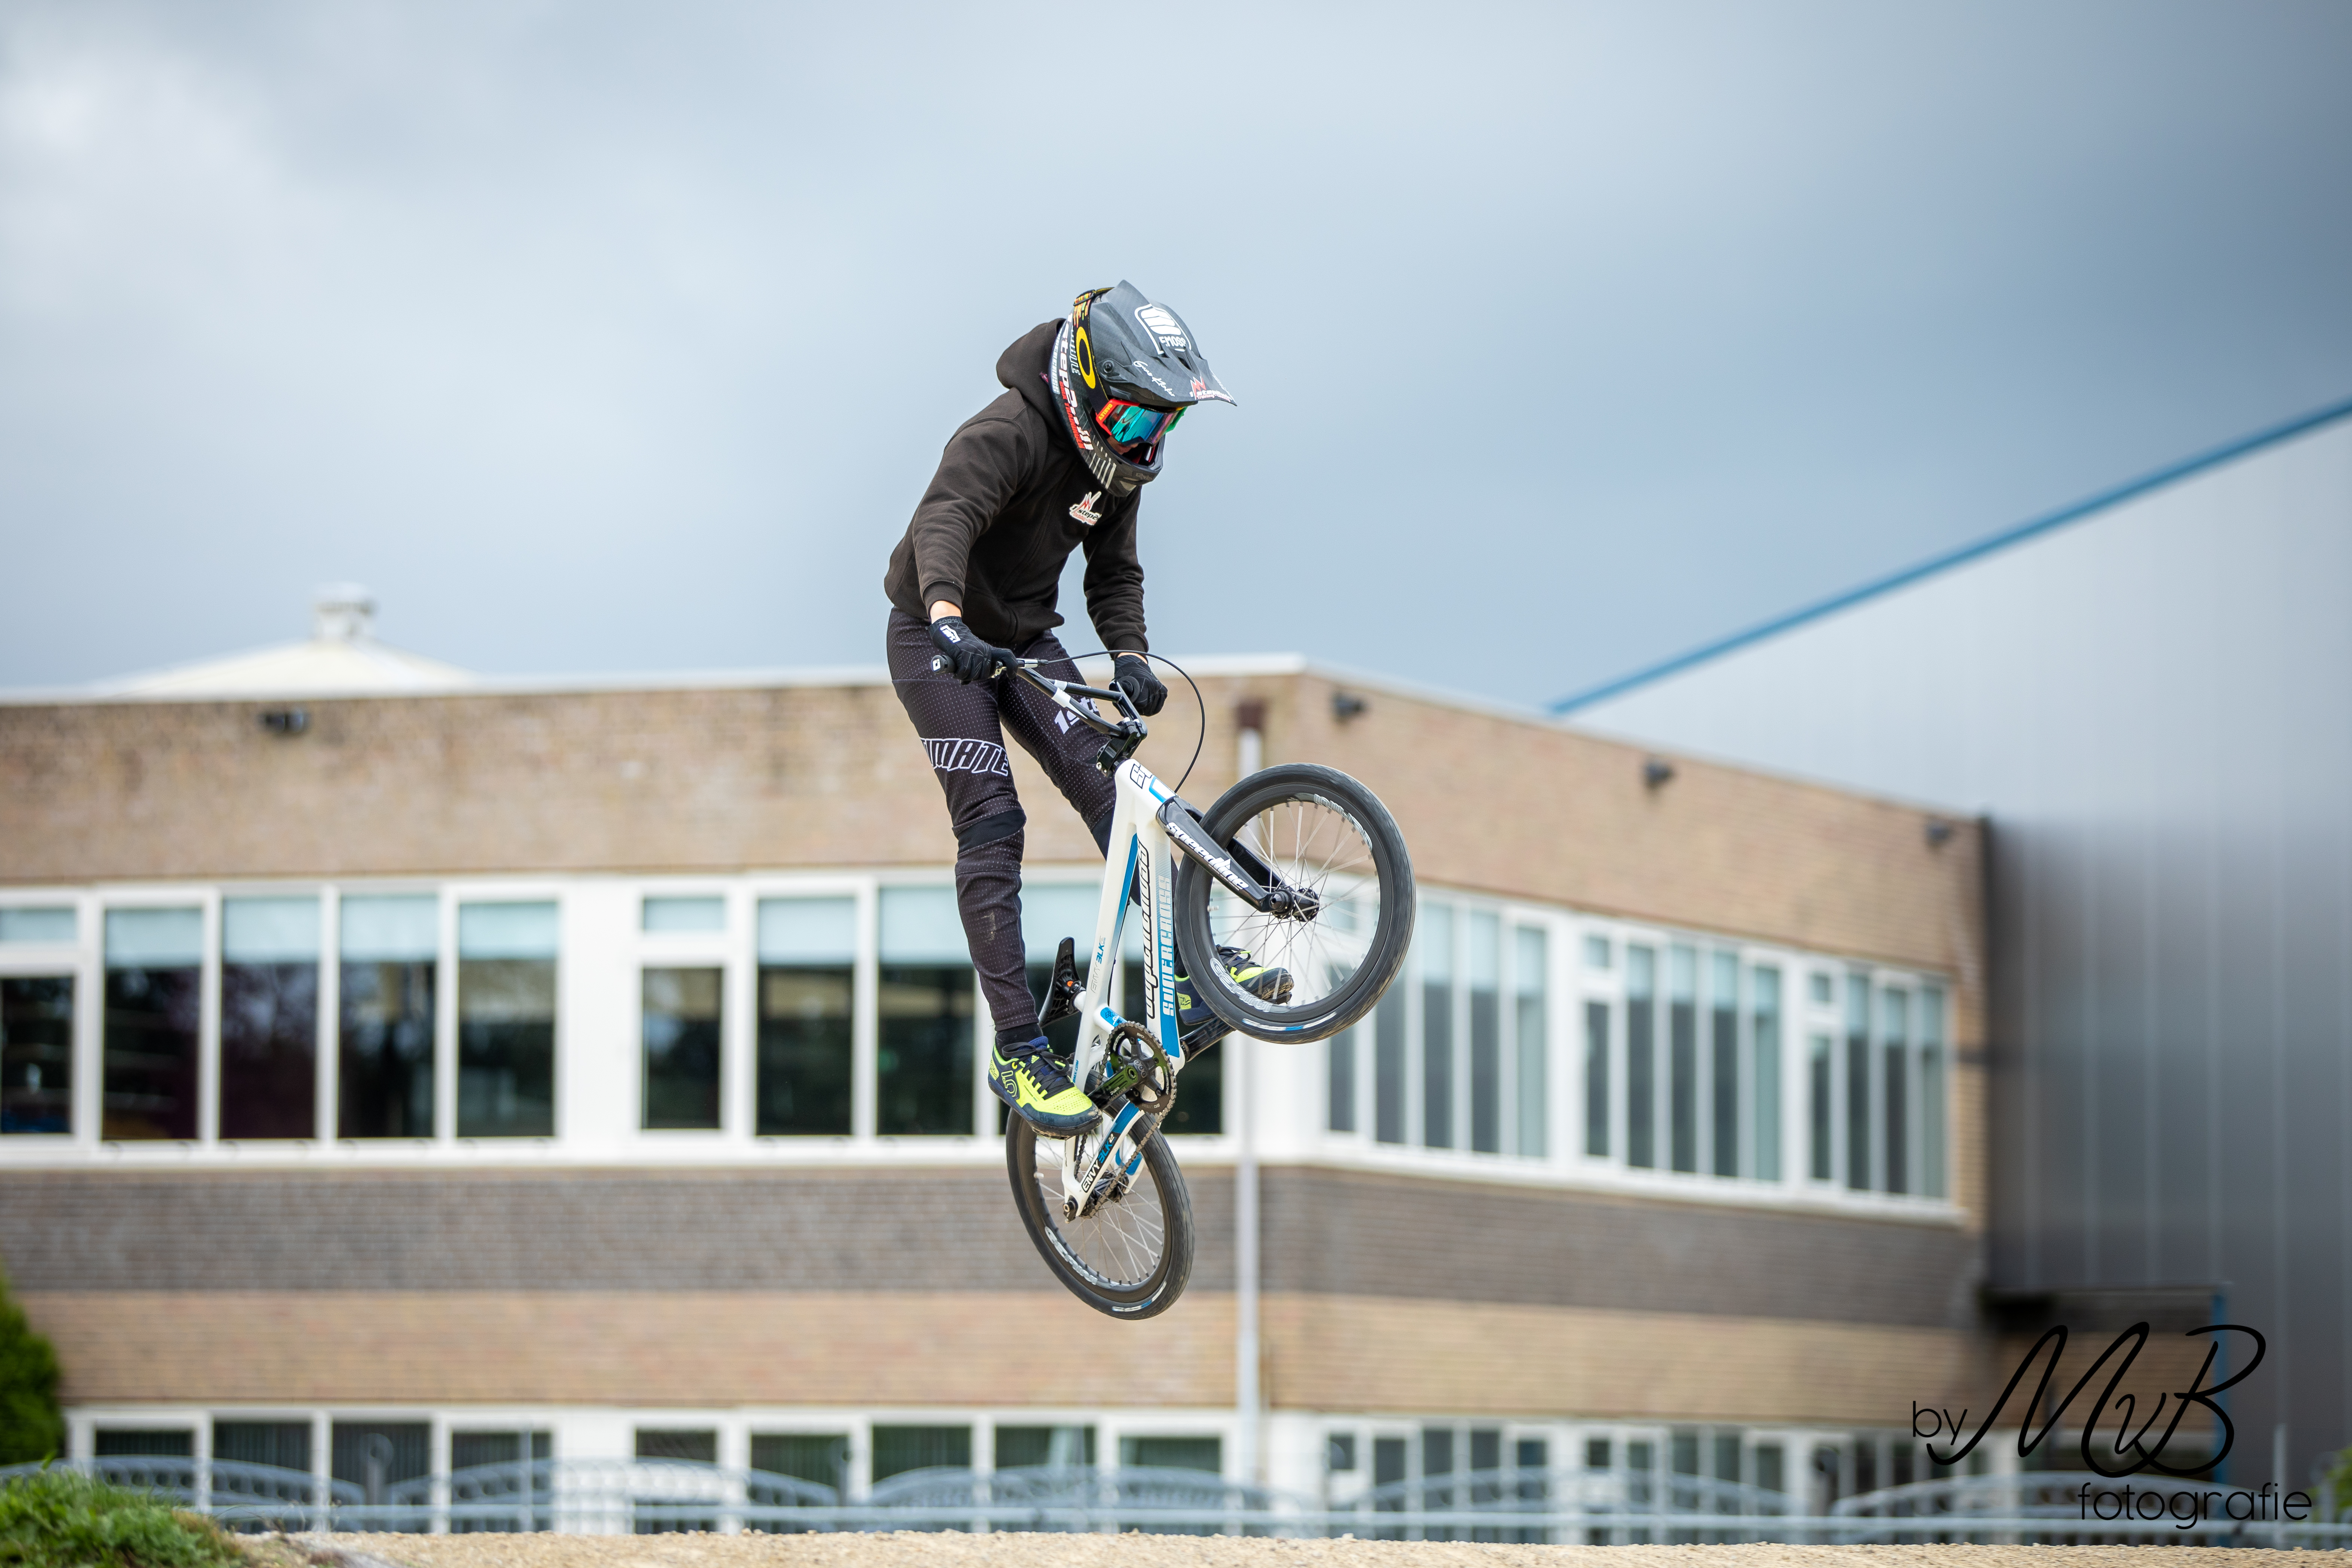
x,y
1298,865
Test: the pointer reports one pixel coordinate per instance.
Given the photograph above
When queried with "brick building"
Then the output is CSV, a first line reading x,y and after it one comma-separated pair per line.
x,y
397,1060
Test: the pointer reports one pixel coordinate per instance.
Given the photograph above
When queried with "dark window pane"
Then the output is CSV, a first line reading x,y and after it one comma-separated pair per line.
x,y
37,1054
1388,1063
285,1444
376,1455
804,1049
1596,1078
1723,1039
1062,1447
1682,1083
897,1450
1769,1461
533,1509
112,1442
269,1045
1895,1087
505,1047
1339,1062
1173,1453
1339,1451
924,1066
384,1087
1825,1152
820,1457
680,1025
1534,1046
1857,1085
1726,1457
1640,1058
1765,1045
1485,1072
697,1445
1437,1027
468,1449
151,1053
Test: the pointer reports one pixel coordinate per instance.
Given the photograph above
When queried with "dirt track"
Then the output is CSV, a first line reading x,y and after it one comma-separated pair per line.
x,y
911,1550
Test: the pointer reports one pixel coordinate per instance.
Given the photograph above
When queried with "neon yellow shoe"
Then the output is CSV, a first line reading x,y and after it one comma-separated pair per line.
x,y
1029,1078
1261,980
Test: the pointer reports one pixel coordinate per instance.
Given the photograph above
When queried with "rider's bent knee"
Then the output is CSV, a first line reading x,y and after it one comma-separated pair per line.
x,y
993,828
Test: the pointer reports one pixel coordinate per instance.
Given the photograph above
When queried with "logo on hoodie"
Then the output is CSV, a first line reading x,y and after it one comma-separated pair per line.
x,y
1082,509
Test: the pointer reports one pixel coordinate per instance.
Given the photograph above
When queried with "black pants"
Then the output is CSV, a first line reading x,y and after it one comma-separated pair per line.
x,y
963,729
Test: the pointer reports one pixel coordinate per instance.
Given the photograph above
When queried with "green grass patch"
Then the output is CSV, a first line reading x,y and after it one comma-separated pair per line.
x,y
63,1519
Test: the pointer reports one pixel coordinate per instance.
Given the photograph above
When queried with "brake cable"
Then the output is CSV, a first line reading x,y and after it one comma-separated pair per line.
x,y
1198,700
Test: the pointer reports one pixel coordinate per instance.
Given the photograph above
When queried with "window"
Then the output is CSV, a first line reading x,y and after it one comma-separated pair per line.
x,y
506,1020
1201,1092
1823,1119
663,916
1596,1078
1641,1056
532,1495
897,1450
1723,1061
375,1456
155,975
269,1017
1050,911
1434,941
1857,1083
1173,1453
696,1446
808,949
924,1082
1339,1077
1486,977
38,925
285,1444
1596,952
1931,1091
1681,981
36,1053
1530,978
821,1457
1388,1064
389,949
1340,1452
679,1025
1764,1044
1895,1010
1058,1447
148,1442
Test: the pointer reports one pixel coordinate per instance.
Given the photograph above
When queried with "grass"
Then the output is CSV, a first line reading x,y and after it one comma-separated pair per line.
x,y
62,1518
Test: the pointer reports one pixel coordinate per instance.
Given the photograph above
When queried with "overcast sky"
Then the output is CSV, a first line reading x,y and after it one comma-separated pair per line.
x,y
624,337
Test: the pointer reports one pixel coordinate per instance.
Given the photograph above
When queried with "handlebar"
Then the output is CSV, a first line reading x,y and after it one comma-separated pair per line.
x,y
1124,735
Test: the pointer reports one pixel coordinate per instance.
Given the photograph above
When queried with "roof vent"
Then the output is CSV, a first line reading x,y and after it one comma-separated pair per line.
x,y
342,612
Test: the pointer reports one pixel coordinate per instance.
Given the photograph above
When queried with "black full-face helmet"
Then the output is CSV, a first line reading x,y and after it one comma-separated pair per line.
x,y
1126,369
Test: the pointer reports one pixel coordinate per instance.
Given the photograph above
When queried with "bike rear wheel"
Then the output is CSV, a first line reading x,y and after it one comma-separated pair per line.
x,y
1323,833
1133,1255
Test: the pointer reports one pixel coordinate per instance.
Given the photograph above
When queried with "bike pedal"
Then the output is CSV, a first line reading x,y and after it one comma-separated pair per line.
x,y
1062,993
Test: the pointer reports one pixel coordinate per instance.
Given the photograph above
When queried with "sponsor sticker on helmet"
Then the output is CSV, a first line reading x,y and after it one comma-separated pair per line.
x,y
1161,323
1086,359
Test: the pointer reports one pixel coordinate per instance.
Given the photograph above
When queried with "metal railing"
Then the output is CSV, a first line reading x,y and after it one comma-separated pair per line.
x,y
607,1497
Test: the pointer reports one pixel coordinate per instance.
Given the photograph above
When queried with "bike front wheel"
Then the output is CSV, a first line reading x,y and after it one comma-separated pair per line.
x,y
1131,1255
1324,834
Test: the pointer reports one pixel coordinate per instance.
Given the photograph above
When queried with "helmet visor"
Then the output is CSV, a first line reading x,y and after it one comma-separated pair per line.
x,y
1128,423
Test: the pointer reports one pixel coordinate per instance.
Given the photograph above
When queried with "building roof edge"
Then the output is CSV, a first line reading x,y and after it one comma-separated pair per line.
x,y
2015,534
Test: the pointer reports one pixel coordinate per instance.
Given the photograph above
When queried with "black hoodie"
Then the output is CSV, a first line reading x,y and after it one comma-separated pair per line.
x,y
1011,499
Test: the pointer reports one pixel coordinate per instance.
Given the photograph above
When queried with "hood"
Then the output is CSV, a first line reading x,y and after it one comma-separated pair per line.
x,y
1023,367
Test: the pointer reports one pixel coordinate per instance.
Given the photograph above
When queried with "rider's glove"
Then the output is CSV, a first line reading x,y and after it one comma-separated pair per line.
x,y
972,658
1133,676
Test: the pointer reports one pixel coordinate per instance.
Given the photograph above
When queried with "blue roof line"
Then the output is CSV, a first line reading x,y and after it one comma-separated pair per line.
x,y
1965,553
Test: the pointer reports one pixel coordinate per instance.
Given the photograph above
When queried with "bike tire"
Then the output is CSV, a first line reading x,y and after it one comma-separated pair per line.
x,y
1334,1002
1151,1289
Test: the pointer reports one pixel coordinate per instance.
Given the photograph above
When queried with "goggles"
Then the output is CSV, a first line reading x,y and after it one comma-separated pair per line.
x,y
1128,423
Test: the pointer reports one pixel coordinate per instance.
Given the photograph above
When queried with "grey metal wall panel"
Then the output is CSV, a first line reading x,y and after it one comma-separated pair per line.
x,y
2153,706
